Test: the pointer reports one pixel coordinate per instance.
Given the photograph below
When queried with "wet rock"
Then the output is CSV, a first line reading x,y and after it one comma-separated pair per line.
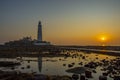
x,y
88,74
96,57
82,77
105,74
60,59
28,66
91,65
70,65
8,63
28,61
22,68
13,68
40,77
81,63
102,78
117,78
64,64
83,57
94,71
75,76
73,63
64,78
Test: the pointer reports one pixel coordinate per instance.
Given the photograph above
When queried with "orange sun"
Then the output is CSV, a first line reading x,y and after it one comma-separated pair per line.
x,y
103,38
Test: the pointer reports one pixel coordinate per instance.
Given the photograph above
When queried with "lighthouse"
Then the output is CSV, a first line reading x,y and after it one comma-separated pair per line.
x,y
39,40
39,36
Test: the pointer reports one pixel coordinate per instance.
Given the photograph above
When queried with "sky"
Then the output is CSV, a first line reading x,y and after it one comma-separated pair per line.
x,y
64,22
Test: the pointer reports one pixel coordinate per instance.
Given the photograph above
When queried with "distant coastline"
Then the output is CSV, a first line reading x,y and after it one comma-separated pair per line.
x,y
56,49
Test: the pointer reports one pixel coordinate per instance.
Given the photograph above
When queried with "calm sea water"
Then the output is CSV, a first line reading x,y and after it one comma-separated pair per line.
x,y
58,65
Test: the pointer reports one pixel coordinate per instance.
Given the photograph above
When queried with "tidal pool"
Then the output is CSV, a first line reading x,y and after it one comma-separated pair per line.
x,y
58,65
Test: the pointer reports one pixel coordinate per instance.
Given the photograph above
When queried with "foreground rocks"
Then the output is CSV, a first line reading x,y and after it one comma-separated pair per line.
x,y
17,75
9,63
110,68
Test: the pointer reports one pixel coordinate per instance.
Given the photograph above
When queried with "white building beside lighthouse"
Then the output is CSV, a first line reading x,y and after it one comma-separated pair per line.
x,y
39,40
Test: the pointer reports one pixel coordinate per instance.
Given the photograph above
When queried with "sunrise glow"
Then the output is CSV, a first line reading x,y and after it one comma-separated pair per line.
x,y
103,38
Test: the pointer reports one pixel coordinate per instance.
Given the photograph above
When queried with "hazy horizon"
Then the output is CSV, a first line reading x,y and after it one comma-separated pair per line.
x,y
64,22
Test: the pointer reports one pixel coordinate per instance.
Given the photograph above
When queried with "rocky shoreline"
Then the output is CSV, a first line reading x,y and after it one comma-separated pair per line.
x,y
17,75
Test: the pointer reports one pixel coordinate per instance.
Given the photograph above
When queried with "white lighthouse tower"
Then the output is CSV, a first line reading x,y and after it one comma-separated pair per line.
x,y
39,40
39,36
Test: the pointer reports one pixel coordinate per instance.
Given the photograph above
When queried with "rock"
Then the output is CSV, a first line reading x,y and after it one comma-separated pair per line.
x,y
70,65
94,71
105,74
22,67
88,74
117,78
64,64
75,76
8,63
102,78
82,77
28,66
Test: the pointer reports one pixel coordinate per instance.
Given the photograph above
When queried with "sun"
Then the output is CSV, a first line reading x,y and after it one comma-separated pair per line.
x,y
103,38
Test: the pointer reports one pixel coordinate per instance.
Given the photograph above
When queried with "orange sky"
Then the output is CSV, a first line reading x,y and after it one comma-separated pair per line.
x,y
65,22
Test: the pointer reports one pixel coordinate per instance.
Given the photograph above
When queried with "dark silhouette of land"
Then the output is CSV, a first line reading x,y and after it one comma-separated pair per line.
x,y
14,51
